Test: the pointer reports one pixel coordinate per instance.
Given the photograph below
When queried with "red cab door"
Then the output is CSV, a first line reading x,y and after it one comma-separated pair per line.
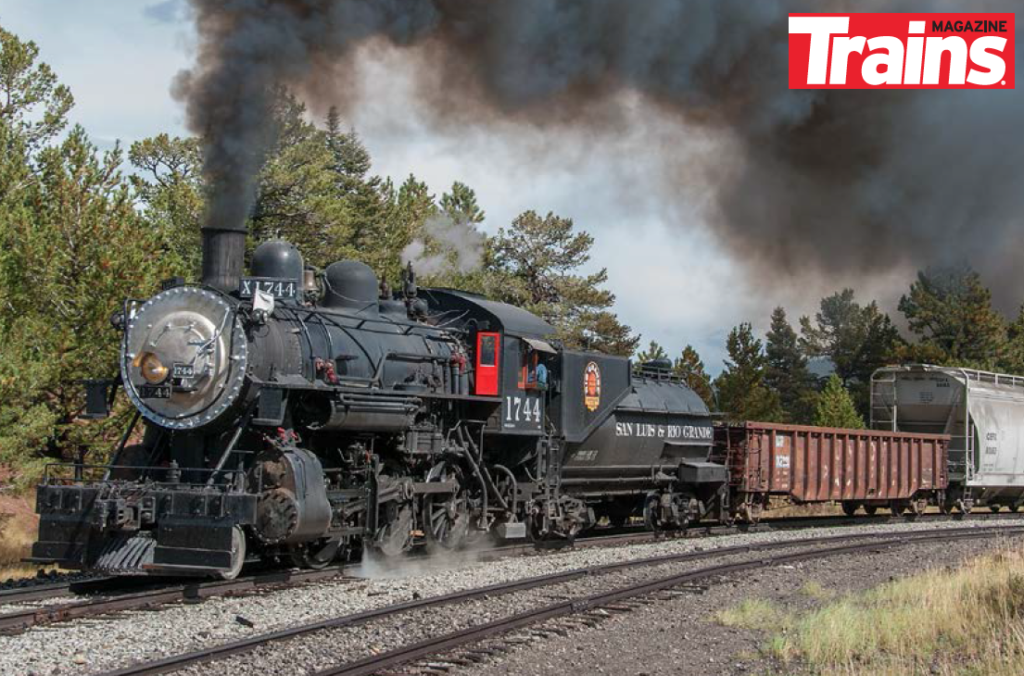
x,y
488,351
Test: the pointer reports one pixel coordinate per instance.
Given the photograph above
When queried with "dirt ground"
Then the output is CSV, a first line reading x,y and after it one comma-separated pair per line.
x,y
682,637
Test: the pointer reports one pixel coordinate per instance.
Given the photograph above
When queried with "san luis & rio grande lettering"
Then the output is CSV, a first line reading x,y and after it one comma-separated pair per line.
x,y
636,429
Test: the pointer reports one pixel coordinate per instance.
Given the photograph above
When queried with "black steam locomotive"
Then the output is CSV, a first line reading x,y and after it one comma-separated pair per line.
x,y
295,415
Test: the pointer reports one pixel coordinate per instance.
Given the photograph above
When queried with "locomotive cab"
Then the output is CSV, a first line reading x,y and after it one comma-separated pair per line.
x,y
508,341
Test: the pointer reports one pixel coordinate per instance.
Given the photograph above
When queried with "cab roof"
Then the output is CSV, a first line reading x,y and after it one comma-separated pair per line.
x,y
501,316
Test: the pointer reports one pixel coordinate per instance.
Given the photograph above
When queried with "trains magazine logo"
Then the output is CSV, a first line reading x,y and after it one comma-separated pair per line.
x,y
901,51
592,386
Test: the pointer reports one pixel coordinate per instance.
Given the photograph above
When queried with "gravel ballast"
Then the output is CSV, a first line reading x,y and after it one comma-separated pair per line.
x,y
680,637
96,645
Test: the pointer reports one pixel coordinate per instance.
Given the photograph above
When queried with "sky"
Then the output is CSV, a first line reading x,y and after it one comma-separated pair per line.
x,y
673,283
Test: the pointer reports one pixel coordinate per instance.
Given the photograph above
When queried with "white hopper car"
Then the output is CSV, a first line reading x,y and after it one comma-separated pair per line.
x,y
983,413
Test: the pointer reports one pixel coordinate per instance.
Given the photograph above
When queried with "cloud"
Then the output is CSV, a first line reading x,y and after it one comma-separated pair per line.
x,y
673,279
167,11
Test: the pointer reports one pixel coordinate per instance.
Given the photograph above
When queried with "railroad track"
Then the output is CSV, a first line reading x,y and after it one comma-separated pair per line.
x,y
114,594
639,535
817,547
50,590
20,620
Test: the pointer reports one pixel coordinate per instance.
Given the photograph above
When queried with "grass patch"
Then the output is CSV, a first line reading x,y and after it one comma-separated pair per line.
x,y
18,526
965,620
753,614
815,590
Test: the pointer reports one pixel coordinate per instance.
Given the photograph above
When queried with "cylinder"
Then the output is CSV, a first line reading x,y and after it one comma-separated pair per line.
x,y
358,413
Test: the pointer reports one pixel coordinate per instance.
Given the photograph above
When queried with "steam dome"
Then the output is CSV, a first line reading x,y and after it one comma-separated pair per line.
x,y
350,285
277,259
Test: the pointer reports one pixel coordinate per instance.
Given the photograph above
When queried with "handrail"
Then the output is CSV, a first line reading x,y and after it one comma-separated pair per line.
x,y
969,374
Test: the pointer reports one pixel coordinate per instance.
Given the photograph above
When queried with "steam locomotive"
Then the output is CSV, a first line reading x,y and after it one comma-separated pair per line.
x,y
302,415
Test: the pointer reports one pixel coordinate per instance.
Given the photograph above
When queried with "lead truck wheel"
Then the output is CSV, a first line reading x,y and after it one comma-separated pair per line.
x,y
237,555
316,555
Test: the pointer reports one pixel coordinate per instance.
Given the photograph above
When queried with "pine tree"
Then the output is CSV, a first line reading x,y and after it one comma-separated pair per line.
x,y
856,339
653,351
310,190
72,248
33,104
57,300
375,234
1013,355
742,393
786,372
460,204
296,195
690,369
951,309
169,184
836,408
351,159
534,264
601,331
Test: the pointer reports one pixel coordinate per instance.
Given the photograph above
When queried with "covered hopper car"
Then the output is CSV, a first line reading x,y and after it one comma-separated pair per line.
x,y
982,412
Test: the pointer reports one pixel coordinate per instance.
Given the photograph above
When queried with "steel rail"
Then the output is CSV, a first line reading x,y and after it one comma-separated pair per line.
x,y
218,652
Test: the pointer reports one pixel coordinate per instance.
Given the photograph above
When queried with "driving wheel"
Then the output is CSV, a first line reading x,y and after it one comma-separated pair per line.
x,y
446,516
394,537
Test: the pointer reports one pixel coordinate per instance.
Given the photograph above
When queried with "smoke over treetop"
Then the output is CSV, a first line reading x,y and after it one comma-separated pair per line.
x,y
816,181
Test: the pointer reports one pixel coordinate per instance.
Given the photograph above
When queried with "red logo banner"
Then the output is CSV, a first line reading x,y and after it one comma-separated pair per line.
x,y
901,51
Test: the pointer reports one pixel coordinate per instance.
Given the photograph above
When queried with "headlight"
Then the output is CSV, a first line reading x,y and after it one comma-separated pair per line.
x,y
152,369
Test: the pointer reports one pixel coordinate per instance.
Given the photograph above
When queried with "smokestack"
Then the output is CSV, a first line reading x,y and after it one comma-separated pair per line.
x,y
223,256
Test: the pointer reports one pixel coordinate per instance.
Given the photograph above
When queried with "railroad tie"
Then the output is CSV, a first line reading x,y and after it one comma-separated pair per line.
x,y
471,657
442,666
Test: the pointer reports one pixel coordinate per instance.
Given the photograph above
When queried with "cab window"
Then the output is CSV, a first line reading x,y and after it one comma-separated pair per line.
x,y
487,351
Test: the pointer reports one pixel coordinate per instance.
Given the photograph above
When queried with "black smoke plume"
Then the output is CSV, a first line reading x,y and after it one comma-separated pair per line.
x,y
817,181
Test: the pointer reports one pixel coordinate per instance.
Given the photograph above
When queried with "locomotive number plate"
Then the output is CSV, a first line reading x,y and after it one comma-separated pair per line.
x,y
155,391
183,371
276,287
